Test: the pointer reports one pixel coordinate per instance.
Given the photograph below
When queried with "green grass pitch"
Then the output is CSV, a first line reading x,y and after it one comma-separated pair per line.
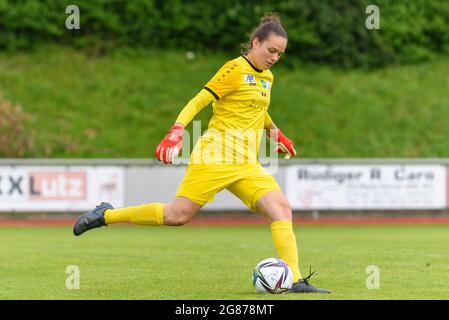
x,y
216,262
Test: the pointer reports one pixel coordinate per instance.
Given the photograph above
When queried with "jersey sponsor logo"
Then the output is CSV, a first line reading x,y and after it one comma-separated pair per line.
x,y
265,84
249,78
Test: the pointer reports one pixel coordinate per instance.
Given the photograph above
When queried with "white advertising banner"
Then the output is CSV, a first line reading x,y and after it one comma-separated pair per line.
x,y
59,188
366,186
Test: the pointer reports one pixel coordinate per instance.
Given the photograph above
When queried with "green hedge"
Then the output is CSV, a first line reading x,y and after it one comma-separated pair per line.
x,y
325,31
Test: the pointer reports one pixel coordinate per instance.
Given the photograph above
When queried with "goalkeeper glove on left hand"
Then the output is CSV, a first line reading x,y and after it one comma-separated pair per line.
x,y
171,145
285,145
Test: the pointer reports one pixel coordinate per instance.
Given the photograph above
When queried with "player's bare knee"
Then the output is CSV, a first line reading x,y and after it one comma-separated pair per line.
x,y
179,216
175,220
285,210
183,219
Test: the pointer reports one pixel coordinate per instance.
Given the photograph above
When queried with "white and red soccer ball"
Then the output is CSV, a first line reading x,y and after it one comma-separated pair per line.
x,y
272,275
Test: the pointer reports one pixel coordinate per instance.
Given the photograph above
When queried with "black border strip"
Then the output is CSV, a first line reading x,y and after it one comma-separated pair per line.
x,y
251,64
213,93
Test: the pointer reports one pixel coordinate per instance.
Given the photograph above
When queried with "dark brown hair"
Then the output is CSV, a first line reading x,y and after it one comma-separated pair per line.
x,y
269,23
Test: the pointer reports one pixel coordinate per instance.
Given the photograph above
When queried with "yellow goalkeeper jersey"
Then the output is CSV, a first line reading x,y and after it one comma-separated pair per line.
x,y
241,96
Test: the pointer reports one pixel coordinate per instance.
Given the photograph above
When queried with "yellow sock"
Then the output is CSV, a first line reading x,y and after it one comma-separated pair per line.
x,y
285,242
148,214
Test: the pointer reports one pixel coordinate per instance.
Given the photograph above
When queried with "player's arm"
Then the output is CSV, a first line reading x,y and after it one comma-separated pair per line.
x,y
225,81
171,145
284,144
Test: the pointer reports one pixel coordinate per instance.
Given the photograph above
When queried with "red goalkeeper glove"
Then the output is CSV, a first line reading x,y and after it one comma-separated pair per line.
x,y
284,144
171,145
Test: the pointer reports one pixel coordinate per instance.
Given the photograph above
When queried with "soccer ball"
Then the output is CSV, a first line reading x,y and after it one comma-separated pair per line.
x,y
272,275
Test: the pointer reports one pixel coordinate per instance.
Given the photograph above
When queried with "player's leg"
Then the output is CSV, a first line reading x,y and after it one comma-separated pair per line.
x,y
260,192
195,190
178,212
276,208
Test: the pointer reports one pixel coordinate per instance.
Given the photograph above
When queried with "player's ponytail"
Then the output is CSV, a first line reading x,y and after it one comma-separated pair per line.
x,y
269,23
270,17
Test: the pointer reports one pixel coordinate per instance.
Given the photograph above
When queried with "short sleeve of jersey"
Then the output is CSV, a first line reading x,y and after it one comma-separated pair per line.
x,y
225,81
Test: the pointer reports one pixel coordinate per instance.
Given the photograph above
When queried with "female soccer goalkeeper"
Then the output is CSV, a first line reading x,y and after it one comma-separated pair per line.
x,y
225,157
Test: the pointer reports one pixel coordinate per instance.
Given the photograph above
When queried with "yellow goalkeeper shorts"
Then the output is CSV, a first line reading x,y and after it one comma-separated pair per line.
x,y
248,182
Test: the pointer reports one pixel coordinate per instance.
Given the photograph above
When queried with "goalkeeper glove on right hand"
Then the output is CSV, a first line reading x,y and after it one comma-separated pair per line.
x,y
285,145
171,145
